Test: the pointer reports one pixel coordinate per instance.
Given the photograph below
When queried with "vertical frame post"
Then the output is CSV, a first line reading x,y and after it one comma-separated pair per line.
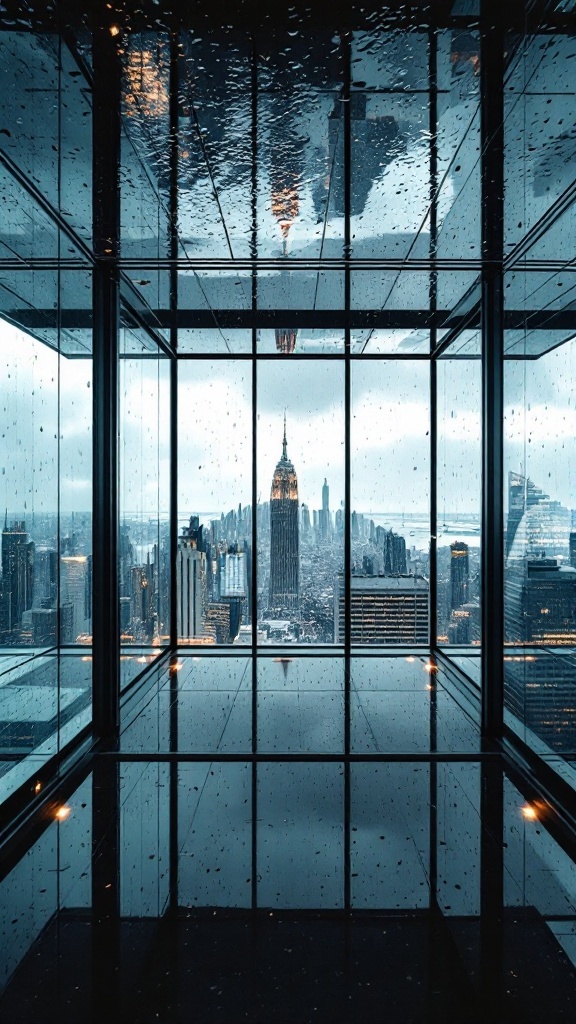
x,y
347,120
106,237
492,171
433,303
254,535
173,244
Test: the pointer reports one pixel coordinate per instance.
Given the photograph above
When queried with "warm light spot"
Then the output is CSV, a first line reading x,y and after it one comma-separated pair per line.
x,y
146,95
37,787
429,686
63,812
114,30
176,666
410,658
529,812
430,667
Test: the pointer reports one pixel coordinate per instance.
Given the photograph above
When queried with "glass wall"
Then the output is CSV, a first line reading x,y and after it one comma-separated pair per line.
x,y
144,567
214,560
46,582
540,522
459,501
299,229
539,487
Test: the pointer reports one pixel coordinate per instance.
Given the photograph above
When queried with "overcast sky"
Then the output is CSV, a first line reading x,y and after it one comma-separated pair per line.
x,y
389,431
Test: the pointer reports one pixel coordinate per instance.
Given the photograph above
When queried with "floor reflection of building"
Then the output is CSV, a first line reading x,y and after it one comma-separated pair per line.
x,y
378,139
285,340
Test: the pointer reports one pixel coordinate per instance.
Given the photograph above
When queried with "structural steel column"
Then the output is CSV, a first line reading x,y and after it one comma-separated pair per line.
x,y
106,235
492,142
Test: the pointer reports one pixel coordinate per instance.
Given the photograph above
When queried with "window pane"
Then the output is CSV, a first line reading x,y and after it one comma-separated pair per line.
x,y
540,548
390,519
301,526
459,468
300,835
214,566
143,543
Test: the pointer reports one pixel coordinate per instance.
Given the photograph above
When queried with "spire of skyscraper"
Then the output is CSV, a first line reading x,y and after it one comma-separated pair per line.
x,y
284,548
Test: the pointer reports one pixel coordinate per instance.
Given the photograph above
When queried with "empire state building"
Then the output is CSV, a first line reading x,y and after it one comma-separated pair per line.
x,y
284,553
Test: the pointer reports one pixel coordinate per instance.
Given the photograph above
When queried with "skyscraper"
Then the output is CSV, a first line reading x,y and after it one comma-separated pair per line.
x,y
458,574
74,590
383,610
17,574
191,570
284,548
538,526
325,522
572,548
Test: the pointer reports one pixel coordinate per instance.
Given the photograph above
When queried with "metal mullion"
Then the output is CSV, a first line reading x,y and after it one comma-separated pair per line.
x,y
173,242
106,231
492,557
173,589
254,558
290,757
433,296
433,588
346,38
40,200
339,357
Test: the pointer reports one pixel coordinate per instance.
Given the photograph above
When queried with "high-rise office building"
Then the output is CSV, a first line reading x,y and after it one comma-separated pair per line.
x,y
235,583
393,552
540,603
459,574
17,575
538,526
75,590
191,569
45,578
383,610
324,514
284,540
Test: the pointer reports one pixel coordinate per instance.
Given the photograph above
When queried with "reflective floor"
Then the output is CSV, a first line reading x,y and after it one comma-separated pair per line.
x,y
232,704
186,877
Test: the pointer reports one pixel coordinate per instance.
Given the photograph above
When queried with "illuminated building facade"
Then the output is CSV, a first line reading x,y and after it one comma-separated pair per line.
x,y
459,574
385,610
